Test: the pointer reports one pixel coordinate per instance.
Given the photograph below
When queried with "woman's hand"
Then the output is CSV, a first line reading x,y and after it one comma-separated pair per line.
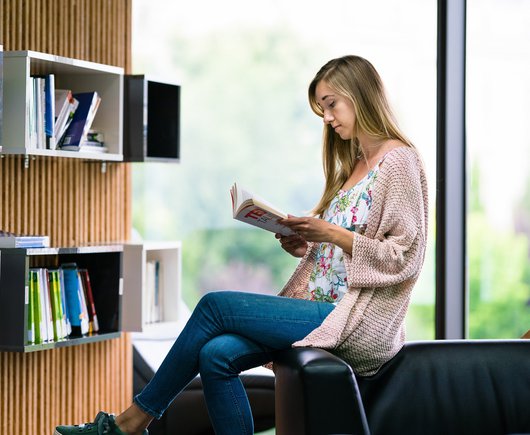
x,y
309,228
294,244
312,229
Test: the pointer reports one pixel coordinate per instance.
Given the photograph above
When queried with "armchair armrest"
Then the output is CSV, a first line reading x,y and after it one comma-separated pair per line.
x,y
316,394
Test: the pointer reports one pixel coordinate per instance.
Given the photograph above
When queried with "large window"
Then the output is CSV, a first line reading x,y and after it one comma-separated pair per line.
x,y
498,142
244,69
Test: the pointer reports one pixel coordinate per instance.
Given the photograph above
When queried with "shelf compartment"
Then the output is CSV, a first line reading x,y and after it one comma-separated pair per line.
x,y
73,74
151,120
105,267
135,258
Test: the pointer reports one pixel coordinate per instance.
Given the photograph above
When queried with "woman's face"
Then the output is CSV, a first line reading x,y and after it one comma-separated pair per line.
x,y
338,111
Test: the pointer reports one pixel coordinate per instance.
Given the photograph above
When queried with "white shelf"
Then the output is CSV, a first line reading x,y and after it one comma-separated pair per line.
x,y
135,258
73,74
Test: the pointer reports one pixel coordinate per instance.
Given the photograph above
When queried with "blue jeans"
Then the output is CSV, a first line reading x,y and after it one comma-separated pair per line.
x,y
229,332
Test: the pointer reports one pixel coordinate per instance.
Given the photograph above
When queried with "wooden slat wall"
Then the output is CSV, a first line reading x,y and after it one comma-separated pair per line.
x,y
74,202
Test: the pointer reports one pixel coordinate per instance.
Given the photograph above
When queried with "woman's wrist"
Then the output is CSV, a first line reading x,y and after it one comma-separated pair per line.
x,y
342,238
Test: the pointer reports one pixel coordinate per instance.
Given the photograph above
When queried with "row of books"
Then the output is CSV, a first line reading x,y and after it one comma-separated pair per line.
x,y
61,119
153,297
61,304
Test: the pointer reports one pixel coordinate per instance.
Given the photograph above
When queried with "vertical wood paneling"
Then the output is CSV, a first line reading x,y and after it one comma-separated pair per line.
x,y
75,203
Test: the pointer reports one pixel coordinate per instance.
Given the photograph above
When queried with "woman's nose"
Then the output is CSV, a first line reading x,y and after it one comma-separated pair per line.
x,y
327,118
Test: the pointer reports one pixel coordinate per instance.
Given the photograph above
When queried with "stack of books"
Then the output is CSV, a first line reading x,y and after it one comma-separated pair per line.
x,y
12,240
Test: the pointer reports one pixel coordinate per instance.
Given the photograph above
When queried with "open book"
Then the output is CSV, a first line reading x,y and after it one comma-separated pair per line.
x,y
253,210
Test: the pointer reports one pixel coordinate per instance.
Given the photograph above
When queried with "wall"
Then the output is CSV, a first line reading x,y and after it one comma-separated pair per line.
x,y
74,202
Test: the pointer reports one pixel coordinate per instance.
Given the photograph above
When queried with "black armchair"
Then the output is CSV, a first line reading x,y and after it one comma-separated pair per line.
x,y
456,387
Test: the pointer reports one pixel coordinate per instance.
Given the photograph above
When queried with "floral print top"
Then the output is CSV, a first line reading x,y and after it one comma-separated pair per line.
x,y
349,209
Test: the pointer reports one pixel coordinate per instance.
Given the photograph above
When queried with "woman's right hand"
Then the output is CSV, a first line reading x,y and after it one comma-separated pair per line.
x,y
295,244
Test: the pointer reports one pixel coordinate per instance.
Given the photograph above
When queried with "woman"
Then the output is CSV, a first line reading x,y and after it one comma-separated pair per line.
x,y
362,251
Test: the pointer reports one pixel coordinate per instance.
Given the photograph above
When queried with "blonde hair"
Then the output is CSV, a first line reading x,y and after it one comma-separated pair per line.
x,y
357,80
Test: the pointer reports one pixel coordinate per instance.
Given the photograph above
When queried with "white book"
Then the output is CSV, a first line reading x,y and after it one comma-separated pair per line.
x,y
47,333
82,301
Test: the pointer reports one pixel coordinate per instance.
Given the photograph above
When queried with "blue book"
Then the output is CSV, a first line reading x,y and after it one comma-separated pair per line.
x,y
74,300
77,131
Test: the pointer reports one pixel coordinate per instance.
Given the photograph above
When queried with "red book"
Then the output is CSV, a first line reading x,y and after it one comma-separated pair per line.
x,y
93,325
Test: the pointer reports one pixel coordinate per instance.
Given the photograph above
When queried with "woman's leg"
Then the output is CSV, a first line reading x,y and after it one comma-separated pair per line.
x,y
269,321
220,362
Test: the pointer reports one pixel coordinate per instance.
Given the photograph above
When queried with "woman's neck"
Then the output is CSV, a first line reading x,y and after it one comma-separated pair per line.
x,y
371,146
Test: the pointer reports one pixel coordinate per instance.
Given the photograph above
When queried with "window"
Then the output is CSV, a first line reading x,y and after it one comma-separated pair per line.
x,y
498,142
244,69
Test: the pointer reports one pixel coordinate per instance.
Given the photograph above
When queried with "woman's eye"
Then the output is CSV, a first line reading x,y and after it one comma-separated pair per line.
x,y
332,104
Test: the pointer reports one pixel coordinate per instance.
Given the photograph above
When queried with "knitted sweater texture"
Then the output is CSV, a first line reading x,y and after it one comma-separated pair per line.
x,y
366,328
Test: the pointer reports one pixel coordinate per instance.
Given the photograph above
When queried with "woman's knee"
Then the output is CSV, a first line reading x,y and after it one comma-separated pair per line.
x,y
212,298
216,355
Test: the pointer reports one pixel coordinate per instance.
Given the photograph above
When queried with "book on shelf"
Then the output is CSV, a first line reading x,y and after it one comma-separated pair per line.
x,y
41,112
253,210
75,299
82,119
46,304
65,107
37,132
12,240
153,302
68,326
49,110
58,315
93,324
35,326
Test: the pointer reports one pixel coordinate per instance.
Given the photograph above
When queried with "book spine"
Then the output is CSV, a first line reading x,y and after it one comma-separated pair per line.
x,y
85,326
49,109
66,319
36,306
31,317
92,315
71,285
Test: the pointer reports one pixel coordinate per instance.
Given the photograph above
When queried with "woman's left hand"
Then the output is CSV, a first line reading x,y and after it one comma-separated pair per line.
x,y
310,228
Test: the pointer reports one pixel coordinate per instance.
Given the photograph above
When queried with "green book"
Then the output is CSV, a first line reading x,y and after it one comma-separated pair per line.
x,y
36,302
55,295
31,318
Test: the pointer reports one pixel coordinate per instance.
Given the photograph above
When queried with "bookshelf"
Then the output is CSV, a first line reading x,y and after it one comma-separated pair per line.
x,y
151,120
73,74
135,298
104,263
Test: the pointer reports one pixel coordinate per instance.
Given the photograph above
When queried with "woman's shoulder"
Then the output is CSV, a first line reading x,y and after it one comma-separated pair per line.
x,y
402,156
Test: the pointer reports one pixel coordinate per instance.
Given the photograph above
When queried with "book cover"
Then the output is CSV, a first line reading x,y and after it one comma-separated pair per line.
x,y
46,304
76,311
253,210
59,328
82,118
65,107
85,325
66,319
31,302
93,324
12,240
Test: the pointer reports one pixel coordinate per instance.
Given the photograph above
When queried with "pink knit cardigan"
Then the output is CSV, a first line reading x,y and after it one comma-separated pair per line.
x,y
367,328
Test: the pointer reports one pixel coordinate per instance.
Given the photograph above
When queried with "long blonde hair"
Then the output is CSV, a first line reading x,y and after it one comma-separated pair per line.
x,y
356,79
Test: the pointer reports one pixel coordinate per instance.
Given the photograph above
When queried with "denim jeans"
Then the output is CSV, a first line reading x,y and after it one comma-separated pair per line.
x,y
229,332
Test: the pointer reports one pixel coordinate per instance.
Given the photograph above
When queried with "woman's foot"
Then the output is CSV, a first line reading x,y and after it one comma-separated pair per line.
x,y
104,424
